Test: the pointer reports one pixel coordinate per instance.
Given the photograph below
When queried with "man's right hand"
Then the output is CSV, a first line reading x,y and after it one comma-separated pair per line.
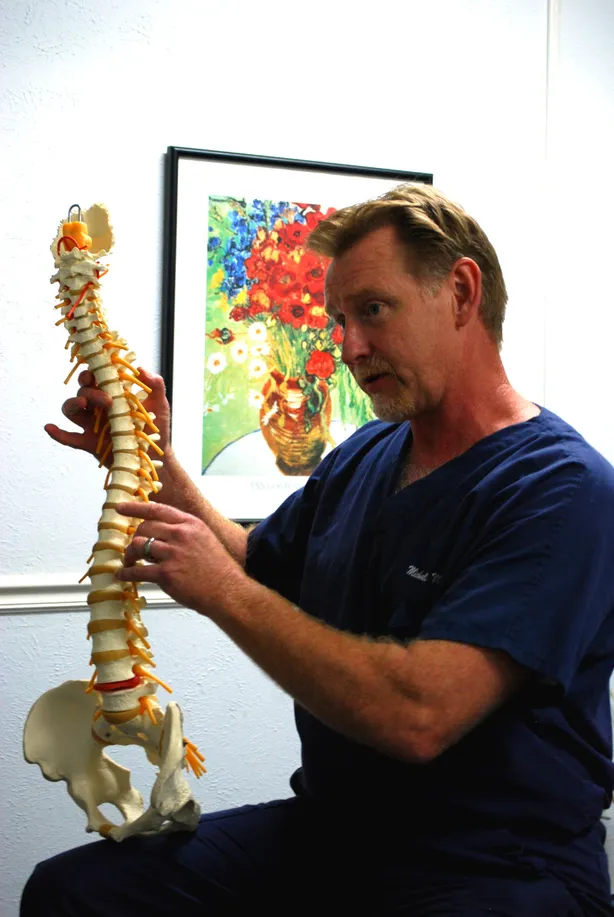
x,y
80,410
178,489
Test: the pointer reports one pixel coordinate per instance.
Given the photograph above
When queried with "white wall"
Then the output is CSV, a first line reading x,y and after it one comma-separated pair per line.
x,y
91,97
580,313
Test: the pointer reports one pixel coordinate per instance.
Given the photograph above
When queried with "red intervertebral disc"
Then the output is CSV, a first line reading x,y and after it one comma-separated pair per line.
x,y
120,685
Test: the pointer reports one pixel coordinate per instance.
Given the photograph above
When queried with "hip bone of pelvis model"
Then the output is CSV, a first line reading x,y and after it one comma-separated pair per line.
x,y
69,727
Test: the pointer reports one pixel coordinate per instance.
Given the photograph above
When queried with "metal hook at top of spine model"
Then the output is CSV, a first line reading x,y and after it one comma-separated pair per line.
x,y
69,727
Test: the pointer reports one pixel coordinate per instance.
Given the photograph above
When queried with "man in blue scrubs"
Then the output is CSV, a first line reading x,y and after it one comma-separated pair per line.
x,y
438,600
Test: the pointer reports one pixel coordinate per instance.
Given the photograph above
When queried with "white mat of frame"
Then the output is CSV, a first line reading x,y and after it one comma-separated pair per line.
x,y
58,592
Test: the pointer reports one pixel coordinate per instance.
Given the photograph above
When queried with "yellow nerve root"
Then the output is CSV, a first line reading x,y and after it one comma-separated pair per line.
x,y
73,370
134,381
153,445
193,759
145,673
90,686
146,707
105,456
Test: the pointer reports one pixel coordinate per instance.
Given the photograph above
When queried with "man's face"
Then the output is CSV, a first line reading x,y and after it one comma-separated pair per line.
x,y
398,338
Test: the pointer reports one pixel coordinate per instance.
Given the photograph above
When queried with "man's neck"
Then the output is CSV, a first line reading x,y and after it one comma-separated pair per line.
x,y
456,426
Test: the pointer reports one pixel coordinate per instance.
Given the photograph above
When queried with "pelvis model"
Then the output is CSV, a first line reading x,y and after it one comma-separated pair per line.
x,y
69,727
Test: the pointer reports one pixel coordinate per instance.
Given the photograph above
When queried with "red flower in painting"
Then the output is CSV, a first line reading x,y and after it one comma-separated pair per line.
x,y
317,297
238,314
259,299
313,218
312,270
294,235
321,364
255,266
293,312
223,335
316,316
284,281
337,335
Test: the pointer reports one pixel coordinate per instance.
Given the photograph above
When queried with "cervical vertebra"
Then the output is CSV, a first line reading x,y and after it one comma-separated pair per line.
x,y
67,730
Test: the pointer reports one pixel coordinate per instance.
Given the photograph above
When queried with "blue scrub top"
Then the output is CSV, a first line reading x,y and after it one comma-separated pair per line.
x,y
509,546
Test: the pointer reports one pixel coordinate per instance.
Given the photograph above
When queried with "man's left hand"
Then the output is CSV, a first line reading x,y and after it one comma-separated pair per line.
x,y
187,560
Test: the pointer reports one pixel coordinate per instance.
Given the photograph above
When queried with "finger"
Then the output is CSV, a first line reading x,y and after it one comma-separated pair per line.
x,y
93,396
83,419
153,528
156,511
86,378
159,550
160,532
65,438
75,407
156,400
80,410
139,573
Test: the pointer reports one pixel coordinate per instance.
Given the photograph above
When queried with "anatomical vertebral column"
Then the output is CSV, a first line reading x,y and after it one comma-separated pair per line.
x,y
126,709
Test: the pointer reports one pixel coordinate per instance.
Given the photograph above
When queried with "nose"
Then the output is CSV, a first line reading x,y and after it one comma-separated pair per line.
x,y
355,343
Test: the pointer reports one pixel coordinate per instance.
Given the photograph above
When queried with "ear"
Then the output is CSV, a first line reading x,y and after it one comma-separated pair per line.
x,y
466,280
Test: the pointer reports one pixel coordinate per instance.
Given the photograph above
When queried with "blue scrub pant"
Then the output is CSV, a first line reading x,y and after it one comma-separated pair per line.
x,y
288,857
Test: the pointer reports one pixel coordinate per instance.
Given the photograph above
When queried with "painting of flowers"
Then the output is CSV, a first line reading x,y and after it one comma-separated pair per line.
x,y
272,355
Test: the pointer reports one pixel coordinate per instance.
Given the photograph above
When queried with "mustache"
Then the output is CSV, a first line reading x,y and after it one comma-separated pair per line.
x,y
372,369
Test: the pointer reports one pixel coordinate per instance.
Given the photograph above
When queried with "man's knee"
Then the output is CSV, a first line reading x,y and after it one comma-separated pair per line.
x,y
68,884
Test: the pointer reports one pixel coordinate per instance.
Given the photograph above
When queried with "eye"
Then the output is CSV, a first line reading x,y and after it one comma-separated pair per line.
x,y
373,309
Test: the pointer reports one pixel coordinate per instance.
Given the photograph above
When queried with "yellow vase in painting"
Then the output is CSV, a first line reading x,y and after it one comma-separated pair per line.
x,y
296,434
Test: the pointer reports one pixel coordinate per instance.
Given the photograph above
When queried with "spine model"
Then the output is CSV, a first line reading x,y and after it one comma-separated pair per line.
x,y
121,655
122,690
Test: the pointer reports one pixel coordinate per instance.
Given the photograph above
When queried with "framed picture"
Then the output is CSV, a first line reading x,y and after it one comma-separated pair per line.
x,y
250,358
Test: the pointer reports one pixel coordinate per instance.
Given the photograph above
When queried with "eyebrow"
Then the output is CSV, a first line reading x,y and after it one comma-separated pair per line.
x,y
361,294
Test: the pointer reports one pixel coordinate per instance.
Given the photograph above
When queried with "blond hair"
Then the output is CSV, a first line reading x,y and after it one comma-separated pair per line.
x,y
436,231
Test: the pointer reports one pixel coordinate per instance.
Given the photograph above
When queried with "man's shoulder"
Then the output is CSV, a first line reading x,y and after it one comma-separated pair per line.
x,y
543,457
563,444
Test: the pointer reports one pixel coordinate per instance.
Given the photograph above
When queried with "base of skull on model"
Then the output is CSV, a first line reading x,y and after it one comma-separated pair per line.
x,y
69,727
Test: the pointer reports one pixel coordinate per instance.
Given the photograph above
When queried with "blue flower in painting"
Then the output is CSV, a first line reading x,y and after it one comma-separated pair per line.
x,y
277,211
244,220
258,212
213,244
244,233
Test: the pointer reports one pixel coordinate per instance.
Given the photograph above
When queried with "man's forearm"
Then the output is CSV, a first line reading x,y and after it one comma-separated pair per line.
x,y
180,491
348,682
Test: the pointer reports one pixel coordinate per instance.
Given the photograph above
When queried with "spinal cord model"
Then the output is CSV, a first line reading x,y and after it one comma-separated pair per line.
x,y
69,727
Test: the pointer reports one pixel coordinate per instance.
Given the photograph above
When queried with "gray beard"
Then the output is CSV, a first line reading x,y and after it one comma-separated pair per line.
x,y
392,410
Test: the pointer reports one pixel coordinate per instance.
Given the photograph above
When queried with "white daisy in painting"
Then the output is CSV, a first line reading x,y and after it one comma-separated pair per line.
x,y
210,408
239,352
254,398
216,363
257,332
260,350
256,368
